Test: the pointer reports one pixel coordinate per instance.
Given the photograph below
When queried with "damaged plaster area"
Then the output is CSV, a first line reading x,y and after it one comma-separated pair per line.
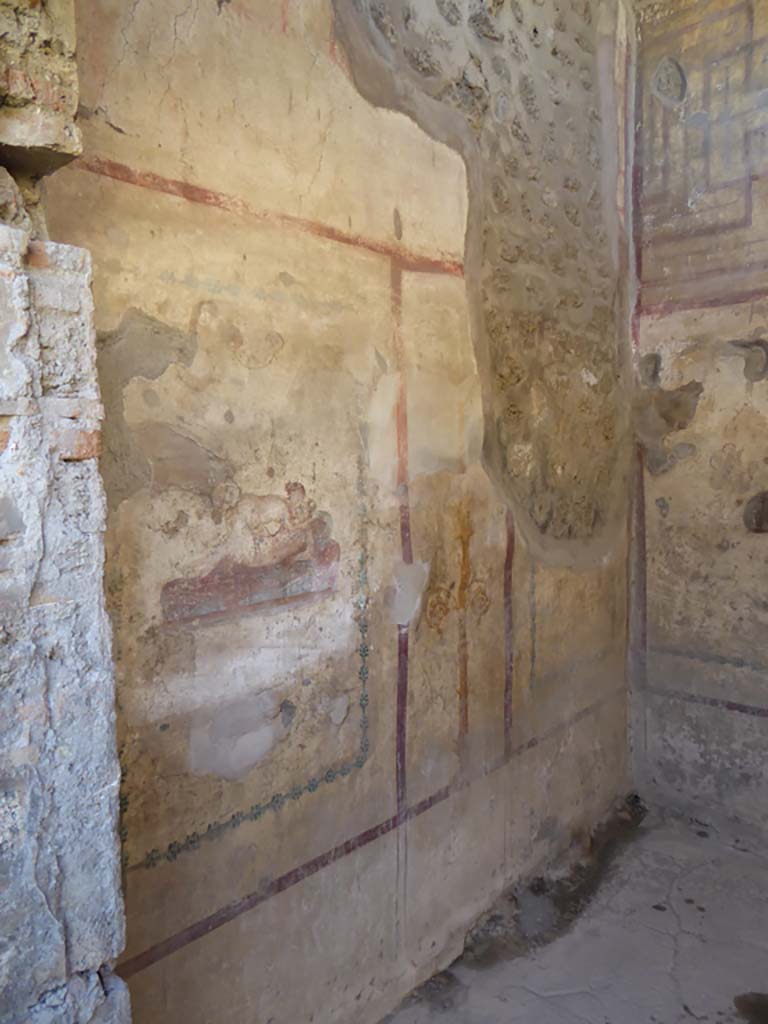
x,y
675,934
659,413
545,235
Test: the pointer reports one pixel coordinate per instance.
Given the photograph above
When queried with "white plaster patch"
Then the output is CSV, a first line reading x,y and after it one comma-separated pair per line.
x,y
339,709
235,738
410,581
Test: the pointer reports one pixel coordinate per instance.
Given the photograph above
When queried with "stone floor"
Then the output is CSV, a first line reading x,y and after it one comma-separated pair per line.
x,y
676,932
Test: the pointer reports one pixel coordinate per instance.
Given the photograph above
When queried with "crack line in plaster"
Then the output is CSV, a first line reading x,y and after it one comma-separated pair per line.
x,y
323,142
126,49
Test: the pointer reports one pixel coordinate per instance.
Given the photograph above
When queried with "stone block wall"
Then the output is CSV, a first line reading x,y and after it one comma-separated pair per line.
x,y
60,905
61,917
38,85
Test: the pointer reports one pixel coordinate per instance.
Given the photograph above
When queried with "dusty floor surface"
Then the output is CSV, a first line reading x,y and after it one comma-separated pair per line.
x,y
677,932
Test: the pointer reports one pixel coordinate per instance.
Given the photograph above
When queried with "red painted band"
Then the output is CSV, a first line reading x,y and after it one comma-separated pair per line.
x,y
409,260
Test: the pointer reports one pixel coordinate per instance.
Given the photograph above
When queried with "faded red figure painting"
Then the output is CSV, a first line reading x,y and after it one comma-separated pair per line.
x,y
279,551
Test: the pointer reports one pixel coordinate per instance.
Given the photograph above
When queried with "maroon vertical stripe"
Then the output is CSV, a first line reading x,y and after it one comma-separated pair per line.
x,y
465,575
406,546
509,640
641,569
401,719
401,412
637,176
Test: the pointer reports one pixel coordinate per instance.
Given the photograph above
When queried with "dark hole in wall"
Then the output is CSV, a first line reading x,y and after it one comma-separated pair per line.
x,y
753,1007
650,369
756,513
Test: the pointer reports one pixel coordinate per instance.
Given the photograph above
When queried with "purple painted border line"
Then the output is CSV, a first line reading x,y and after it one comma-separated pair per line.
x,y
406,542
232,910
401,718
710,702
509,635
666,306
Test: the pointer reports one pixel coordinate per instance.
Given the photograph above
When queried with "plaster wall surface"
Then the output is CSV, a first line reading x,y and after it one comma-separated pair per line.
x,y
701,721
360,685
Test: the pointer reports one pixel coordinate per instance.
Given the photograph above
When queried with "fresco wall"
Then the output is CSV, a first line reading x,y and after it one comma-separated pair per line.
x,y
361,686
701,722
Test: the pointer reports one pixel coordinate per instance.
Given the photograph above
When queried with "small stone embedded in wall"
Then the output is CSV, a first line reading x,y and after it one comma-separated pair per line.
x,y
450,10
669,81
11,521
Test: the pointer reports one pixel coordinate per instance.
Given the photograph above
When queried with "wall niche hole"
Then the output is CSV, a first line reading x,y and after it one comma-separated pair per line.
x,y
756,513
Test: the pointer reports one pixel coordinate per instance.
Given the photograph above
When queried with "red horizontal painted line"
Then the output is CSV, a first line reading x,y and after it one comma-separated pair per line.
x,y
232,910
665,307
710,702
731,274
410,260
742,270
